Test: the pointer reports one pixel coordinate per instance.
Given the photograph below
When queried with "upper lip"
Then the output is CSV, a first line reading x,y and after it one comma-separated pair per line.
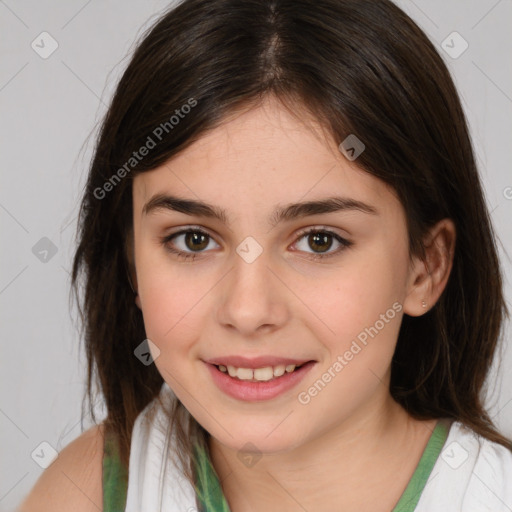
x,y
255,362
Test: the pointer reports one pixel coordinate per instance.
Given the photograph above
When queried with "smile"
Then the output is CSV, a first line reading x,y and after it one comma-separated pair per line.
x,y
259,384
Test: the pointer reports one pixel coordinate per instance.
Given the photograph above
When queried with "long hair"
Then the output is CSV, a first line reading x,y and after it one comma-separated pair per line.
x,y
359,67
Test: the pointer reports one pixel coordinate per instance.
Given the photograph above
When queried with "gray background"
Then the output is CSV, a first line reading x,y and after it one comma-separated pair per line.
x,y
49,109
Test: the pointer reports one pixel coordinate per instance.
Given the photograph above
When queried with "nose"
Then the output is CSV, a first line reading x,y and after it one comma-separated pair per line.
x,y
252,299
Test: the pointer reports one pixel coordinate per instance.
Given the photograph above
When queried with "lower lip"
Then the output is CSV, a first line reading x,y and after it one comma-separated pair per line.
x,y
258,391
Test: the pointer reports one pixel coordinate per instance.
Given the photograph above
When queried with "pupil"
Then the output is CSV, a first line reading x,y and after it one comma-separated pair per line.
x,y
321,238
195,237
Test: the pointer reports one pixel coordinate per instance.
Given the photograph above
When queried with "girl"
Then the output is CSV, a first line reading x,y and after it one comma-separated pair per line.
x,y
292,295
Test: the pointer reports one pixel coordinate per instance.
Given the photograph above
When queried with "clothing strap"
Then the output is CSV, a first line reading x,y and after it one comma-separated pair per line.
x,y
208,489
114,477
414,489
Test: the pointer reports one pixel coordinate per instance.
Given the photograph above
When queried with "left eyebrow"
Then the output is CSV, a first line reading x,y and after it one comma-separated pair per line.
x,y
280,214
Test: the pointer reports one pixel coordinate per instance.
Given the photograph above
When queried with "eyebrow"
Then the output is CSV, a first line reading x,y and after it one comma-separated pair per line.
x,y
280,214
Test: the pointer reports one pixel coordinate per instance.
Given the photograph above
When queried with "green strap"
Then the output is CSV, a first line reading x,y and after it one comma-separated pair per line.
x,y
208,489
210,496
115,478
412,493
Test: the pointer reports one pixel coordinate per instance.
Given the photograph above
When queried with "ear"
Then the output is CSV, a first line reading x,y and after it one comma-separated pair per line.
x,y
428,276
132,273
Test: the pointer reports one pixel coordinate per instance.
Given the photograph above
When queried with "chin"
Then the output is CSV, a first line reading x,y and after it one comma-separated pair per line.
x,y
245,439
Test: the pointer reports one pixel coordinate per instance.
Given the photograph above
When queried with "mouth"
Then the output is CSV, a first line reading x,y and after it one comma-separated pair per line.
x,y
259,384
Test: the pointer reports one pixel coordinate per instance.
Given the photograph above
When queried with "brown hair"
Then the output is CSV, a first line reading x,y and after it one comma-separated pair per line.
x,y
359,67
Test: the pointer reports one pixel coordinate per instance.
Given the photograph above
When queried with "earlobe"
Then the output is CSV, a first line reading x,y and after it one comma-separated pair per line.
x,y
418,299
429,275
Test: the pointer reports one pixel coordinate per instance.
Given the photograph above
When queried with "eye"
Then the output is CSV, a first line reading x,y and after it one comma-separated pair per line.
x,y
192,239
322,240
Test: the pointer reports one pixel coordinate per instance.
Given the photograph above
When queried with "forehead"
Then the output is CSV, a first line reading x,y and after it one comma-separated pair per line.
x,y
260,158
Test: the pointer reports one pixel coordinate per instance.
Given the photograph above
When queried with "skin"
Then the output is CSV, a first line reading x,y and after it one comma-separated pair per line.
x,y
328,453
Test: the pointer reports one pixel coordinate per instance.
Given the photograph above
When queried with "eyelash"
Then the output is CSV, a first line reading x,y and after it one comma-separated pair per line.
x,y
315,256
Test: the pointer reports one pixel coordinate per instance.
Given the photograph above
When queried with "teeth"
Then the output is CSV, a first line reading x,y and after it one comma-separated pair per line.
x,y
259,374
244,373
266,373
279,370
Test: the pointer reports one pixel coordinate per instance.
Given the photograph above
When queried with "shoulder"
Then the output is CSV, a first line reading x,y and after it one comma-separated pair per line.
x,y
489,470
492,475
484,453
472,474
74,480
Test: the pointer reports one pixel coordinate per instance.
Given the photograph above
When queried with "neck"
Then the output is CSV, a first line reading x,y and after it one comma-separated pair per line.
x,y
367,459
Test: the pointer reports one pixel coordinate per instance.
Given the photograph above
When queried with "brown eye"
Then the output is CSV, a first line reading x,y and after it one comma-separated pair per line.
x,y
320,241
196,240
188,243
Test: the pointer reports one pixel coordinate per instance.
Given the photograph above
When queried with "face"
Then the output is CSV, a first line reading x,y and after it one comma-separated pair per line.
x,y
246,286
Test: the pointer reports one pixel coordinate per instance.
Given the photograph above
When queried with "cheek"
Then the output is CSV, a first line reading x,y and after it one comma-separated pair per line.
x,y
173,322
171,297
358,308
355,297
361,314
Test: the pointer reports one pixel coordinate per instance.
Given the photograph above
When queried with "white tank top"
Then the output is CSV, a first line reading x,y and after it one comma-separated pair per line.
x,y
471,473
